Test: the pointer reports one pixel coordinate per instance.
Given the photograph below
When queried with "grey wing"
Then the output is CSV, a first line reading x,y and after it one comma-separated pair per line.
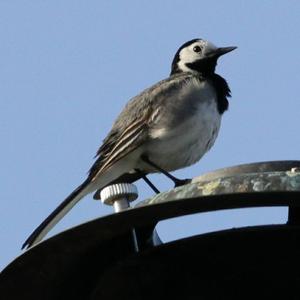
x,y
131,129
117,145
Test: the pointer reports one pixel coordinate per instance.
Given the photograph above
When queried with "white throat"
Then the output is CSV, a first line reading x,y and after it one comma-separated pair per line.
x,y
188,55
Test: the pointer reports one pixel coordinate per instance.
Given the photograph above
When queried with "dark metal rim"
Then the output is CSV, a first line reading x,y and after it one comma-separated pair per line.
x,y
113,225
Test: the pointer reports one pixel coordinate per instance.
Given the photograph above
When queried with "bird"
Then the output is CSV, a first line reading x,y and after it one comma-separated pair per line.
x,y
166,127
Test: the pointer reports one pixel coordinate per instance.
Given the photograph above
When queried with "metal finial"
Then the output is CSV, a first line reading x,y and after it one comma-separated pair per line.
x,y
119,195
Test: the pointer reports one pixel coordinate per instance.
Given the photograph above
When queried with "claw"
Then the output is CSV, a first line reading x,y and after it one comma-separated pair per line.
x,y
180,182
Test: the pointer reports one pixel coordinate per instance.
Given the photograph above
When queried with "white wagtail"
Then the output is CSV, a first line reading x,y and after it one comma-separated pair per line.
x,y
168,126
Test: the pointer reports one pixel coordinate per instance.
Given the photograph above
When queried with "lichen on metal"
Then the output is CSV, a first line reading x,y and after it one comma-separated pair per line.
x,y
283,181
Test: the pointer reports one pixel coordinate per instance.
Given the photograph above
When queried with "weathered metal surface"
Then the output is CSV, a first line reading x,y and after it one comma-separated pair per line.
x,y
287,181
257,167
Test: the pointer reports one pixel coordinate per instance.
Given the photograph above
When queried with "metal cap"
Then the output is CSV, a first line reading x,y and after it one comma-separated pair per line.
x,y
118,191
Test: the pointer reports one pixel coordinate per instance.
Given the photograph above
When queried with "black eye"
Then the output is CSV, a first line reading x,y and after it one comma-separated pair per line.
x,y
197,49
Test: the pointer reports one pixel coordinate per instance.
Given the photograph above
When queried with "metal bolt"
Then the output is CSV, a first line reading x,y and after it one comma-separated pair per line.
x,y
119,195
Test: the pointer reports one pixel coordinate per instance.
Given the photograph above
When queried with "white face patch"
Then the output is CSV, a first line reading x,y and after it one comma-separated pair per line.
x,y
191,53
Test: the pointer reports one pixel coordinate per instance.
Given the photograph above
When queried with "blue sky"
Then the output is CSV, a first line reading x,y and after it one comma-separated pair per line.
x,y
68,67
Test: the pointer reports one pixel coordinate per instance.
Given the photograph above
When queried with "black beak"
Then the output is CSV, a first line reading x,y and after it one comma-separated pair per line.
x,y
221,51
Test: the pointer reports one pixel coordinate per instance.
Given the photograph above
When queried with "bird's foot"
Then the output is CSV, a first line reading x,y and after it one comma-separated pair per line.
x,y
179,182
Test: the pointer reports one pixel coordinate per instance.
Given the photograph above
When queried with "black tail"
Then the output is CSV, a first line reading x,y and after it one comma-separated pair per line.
x,y
57,214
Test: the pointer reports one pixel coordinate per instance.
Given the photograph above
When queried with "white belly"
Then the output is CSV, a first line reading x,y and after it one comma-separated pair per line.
x,y
184,144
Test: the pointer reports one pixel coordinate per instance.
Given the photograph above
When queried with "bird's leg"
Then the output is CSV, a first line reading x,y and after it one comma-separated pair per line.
x,y
146,179
177,181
